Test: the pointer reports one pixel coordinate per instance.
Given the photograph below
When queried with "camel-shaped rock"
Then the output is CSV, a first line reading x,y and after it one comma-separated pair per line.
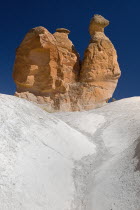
x,y
48,69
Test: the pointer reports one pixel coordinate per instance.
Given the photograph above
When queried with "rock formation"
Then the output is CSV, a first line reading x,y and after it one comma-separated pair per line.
x,y
100,70
48,70
45,65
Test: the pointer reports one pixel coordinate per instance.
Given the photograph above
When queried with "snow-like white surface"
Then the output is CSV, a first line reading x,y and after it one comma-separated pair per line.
x,y
114,181
69,161
37,157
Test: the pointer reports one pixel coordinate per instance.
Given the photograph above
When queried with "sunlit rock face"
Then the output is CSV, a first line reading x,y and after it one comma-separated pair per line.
x,y
45,63
48,69
100,69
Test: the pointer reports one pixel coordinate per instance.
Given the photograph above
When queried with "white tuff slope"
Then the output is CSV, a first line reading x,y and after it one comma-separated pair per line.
x,y
82,161
38,156
114,182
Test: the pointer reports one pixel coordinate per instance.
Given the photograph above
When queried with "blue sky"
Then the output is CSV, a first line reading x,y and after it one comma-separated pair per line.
x,y
17,17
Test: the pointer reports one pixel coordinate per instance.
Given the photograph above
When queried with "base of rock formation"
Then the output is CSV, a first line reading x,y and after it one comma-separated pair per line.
x,y
79,97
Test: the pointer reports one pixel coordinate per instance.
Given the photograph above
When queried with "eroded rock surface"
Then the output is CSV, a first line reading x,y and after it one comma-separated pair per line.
x,y
48,70
100,69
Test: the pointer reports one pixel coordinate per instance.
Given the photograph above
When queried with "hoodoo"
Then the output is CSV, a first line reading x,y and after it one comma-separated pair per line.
x,y
48,70
100,70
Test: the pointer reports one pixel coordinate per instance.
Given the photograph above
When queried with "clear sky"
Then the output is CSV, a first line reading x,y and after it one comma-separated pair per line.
x,y
18,16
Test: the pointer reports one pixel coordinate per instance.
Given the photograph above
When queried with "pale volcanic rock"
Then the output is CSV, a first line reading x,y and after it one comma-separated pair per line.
x,y
100,69
86,160
48,70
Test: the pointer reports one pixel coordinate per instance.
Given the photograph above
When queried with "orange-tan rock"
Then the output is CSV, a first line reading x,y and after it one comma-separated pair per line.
x,y
48,70
45,63
100,69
